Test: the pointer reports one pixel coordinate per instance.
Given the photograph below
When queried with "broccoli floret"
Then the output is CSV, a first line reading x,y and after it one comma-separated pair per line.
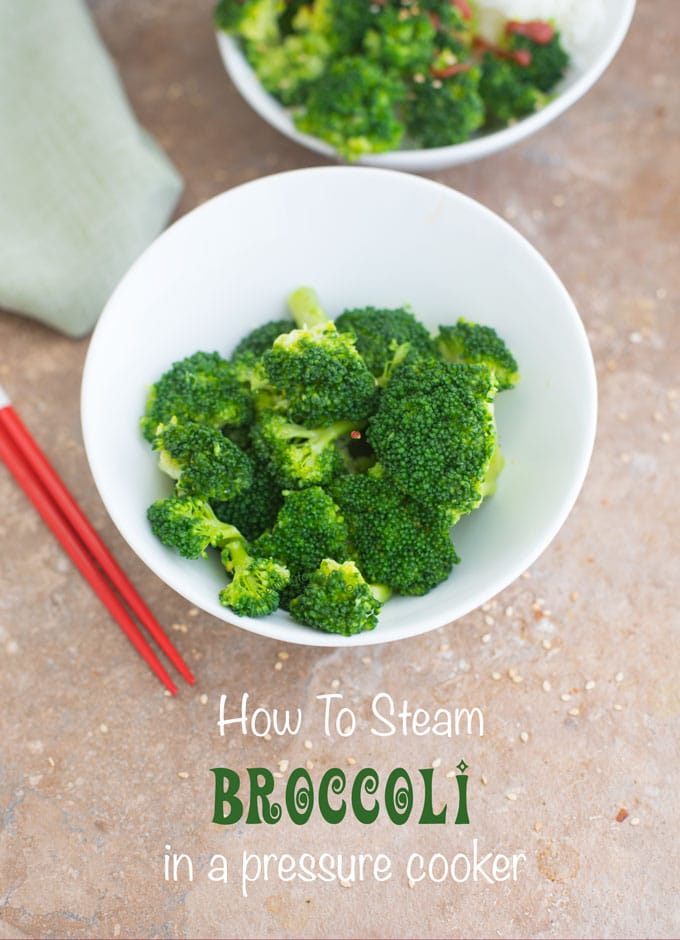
x,y
337,600
352,107
543,62
505,93
444,109
287,69
342,22
317,369
386,337
394,540
256,508
400,39
256,582
299,456
251,20
308,528
260,339
474,343
202,388
188,525
202,460
434,432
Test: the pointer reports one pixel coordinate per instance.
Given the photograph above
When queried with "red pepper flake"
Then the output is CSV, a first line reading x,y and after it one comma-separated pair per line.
x,y
436,21
464,7
538,615
537,31
621,815
450,70
355,435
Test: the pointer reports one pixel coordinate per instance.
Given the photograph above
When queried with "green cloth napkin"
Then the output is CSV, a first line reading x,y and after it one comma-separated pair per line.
x,y
83,188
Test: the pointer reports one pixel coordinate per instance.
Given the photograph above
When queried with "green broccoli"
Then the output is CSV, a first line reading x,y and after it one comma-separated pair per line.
x,y
394,540
352,107
434,432
256,582
444,109
543,63
474,343
299,456
401,38
260,339
202,460
342,22
188,525
384,338
252,20
337,599
287,69
202,388
255,509
317,369
308,528
505,92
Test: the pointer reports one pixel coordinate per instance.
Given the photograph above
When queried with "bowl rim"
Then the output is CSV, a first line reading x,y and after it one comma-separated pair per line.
x,y
276,115
309,637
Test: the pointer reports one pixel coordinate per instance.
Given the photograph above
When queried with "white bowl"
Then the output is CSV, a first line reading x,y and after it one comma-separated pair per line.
x,y
360,236
592,59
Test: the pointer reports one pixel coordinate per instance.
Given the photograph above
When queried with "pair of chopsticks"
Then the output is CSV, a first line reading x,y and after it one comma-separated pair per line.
x,y
39,480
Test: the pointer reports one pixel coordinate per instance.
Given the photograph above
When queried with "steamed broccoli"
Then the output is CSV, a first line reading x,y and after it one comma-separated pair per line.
x,y
260,338
308,528
202,388
384,338
343,23
254,509
434,432
287,69
318,369
338,600
505,92
188,525
252,20
256,582
474,343
401,38
299,456
352,107
444,109
202,460
394,540
536,48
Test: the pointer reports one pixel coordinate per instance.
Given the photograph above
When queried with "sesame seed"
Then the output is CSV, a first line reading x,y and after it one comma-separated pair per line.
x,y
267,737
411,883
335,684
565,696
618,708
180,627
451,774
489,621
495,675
437,762
351,761
618,677
635,337
345,884
308,745
50,761
203,699
183,775
167,693
283,766
573,596
444,647
511,796
574,712
486,638
590,685
103,728
192,612
524,737
484,780
278,666
657,416
278,775
546,644
546,685
509,611
309,765
366,660
436,83
527,573
537,827
635,821
283,655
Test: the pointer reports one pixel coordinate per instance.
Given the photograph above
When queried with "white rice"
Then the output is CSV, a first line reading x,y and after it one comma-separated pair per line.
x,y
577,20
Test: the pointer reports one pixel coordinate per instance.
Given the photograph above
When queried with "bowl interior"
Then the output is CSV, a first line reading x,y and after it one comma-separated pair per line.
x,y
360,236
594,53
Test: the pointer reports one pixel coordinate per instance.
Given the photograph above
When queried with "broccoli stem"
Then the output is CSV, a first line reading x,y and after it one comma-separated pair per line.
x,y
319,438
306,308
381,592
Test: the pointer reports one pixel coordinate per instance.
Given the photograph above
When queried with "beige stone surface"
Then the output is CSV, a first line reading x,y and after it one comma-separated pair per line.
x,y
575,666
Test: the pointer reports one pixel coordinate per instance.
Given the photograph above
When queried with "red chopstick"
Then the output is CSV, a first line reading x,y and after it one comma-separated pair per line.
x,y
47,492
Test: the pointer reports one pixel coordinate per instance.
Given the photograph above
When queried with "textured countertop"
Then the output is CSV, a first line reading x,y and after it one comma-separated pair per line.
x,y
574,666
